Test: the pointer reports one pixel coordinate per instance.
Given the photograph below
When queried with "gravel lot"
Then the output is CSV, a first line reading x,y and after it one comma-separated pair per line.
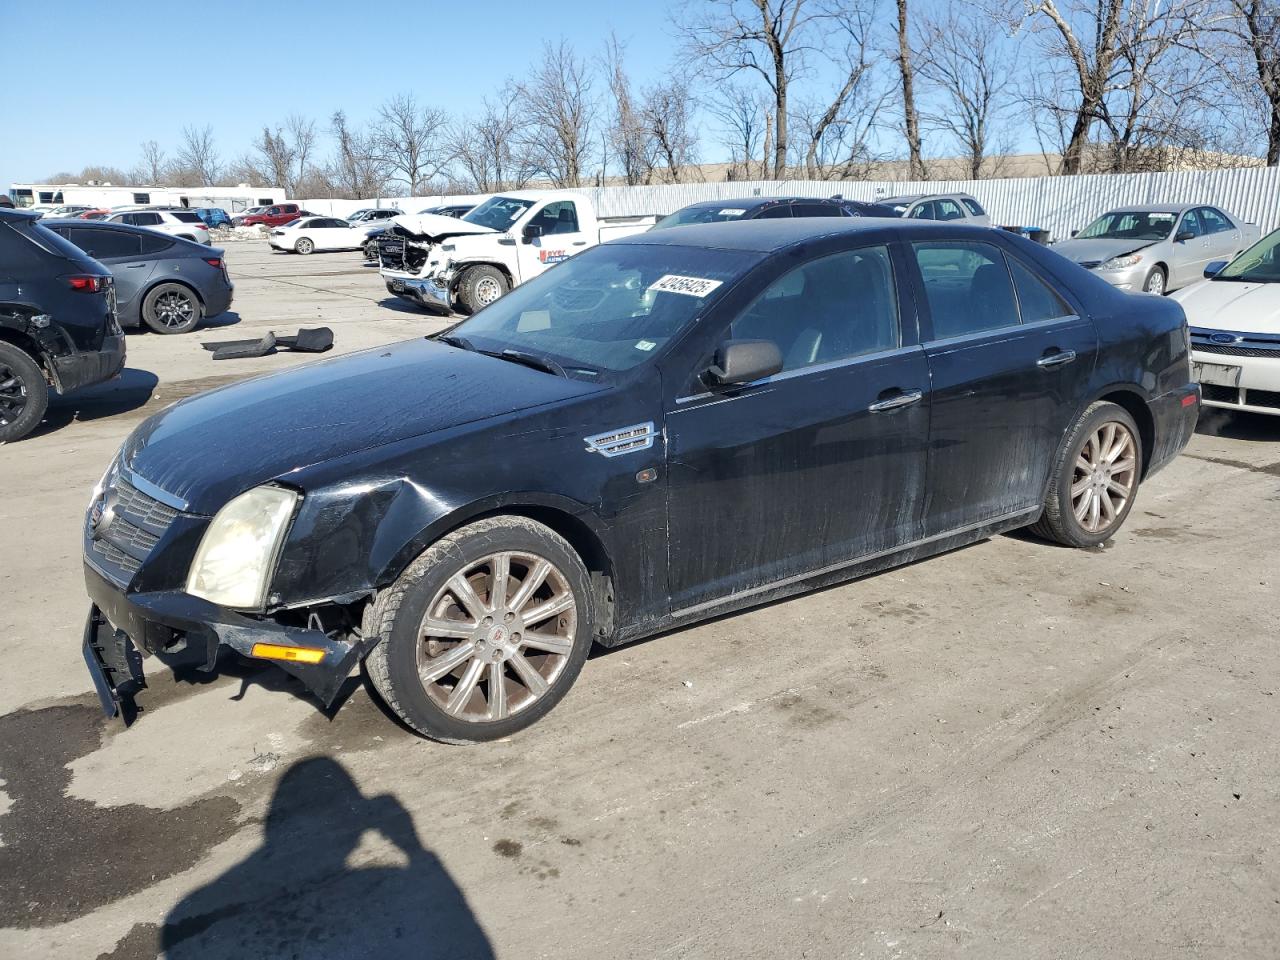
x,y
1010,751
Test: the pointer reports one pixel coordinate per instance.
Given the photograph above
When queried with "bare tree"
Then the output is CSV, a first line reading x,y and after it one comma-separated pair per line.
x,y
665,113
767,38
970,73
838,132
488,149
1243,43
302,133
275,158
906,74
151,169
409,139
560,114
627,135
198,156
355,168
742,115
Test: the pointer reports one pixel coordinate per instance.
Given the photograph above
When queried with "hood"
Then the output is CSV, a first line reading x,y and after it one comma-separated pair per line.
x,y
1230,305
1098,251
211,447
437,226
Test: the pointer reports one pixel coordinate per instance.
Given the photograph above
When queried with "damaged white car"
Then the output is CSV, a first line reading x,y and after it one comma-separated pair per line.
x,y
441,262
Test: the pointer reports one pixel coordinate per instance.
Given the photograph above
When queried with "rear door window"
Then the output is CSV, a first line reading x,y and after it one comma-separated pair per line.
x,y
967,286
186,216
1213,221
972,204
779,211
155,243
1036,299
103,244
146,219
948,210
815,210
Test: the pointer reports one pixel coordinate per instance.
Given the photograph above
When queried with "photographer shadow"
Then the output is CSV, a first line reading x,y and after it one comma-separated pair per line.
x,y
299,896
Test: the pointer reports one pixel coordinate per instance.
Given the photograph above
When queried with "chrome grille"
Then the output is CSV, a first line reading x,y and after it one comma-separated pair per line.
x,y
125,525
1233,350
147,511
116,558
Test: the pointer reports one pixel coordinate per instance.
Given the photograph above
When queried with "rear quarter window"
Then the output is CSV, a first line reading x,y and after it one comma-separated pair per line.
x,y
187,217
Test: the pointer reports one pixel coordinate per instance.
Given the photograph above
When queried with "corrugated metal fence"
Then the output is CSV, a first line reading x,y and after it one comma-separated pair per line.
x,y
1056,204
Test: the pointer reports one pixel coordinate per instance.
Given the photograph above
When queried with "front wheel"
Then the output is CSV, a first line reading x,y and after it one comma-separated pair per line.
x,y
1156,282
481,286
371,250
1095,479
484,633
304,246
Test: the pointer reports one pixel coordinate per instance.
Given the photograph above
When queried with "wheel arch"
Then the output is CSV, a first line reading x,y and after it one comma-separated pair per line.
x,y
161,281
496,264
580,528
1134,402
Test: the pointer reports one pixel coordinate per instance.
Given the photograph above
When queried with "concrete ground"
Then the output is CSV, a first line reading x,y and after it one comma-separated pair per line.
x,y
1010,751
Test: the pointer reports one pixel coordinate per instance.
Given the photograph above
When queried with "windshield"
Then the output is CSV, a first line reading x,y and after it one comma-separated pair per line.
x,y
1129,225
1259,264
608,309
498,213
701,214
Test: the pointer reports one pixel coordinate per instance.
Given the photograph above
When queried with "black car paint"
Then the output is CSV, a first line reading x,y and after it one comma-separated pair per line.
x,y
161,259
73,335
747,494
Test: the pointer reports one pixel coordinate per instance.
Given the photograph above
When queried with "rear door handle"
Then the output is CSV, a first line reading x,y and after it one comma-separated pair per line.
x,y
1056,359
135,266
903,399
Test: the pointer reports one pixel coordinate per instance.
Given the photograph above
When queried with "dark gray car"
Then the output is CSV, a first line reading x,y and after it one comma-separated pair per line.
x,y
164,282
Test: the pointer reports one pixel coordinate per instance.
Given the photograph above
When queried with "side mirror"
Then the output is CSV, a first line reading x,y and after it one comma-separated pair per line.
x,y
1074,232
744,361
1182,236
1214,267
531,231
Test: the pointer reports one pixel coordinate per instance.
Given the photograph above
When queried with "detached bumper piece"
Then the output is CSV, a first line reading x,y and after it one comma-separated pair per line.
x,y
182,630
307,340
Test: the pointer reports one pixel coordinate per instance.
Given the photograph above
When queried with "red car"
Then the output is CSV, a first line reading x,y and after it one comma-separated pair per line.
x,y
273,216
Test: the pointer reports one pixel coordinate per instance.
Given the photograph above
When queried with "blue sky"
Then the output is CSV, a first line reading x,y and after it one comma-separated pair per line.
x,y
103,77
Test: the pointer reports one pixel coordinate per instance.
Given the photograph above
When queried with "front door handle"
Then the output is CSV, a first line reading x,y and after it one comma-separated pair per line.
x,y
579,243
1056,359
135,266
903,399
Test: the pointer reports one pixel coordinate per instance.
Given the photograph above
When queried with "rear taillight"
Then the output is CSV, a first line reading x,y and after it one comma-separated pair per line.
x,y
87,284
213,261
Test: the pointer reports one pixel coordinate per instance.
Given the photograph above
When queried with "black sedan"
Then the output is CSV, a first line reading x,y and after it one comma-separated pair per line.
x,y
771,208
660,430
164,282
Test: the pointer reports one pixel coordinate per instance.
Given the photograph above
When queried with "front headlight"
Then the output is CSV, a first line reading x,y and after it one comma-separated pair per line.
x,y
236,557
1122,263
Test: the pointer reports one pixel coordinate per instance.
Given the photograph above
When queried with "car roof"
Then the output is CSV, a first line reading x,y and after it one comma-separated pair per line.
x,y
1157,207
770,236
9,213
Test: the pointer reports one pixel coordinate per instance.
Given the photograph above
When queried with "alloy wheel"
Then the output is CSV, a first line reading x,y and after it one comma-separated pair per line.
x,y
1106,474
174,309
13,395
496,636
1155,283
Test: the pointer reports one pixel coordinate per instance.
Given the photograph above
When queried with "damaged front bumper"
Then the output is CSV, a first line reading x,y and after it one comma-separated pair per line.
x,y
431,293
181,629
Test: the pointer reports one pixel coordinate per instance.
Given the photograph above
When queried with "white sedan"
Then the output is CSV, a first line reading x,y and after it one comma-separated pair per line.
x,y
1234,315
309,234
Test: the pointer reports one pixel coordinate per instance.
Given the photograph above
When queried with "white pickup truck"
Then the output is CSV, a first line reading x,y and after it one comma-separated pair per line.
x,y
441,262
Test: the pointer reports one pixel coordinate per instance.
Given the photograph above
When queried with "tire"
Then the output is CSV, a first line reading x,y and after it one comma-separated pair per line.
x,y
481,286
304,246
1157,281
533,678
24,393
1062,520
172,308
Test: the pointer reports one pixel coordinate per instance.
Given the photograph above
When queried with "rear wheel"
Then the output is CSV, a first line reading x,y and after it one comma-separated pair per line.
x,y
304,246
24,394
171,308
1095,479
1156,281
484,633
481,286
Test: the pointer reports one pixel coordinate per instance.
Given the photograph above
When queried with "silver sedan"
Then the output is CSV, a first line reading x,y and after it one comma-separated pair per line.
x,y
1157,248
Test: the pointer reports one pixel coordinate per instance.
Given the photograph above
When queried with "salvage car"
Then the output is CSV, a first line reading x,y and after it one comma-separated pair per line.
x,y
165,283
439,261
58,326
455,210
309,234
770,208
1157,249
1235,329
660,430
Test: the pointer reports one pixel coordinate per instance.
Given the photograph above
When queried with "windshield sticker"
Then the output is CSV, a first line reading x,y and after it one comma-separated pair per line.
x,y
533,320
645,345
1161,216
553,256
689,286
732,212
